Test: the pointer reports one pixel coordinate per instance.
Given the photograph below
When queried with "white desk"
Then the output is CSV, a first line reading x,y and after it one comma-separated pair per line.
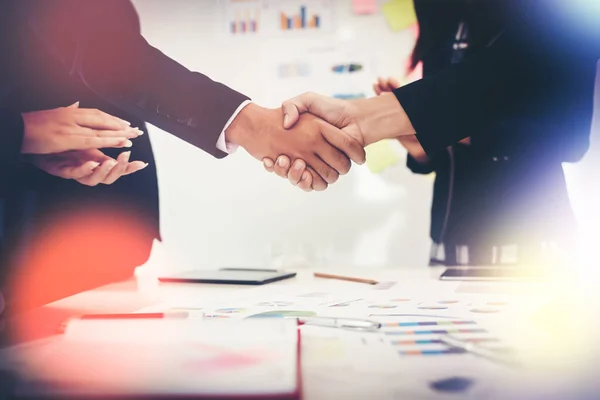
x,y
368,378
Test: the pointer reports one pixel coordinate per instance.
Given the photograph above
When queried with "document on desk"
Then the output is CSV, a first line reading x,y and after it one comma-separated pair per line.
x,y
166,358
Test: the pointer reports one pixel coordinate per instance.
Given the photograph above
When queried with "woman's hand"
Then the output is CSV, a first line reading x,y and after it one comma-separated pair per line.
x,y
88,167
73,128
385,85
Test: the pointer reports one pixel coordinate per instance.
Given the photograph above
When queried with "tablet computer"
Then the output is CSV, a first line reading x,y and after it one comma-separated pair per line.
x,y
230,276
493,274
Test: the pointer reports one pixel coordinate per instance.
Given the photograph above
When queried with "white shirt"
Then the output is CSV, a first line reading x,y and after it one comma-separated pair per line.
x,y
222,143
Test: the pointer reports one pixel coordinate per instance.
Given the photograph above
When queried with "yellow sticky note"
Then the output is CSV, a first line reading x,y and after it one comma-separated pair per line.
x,y
400,14
381,155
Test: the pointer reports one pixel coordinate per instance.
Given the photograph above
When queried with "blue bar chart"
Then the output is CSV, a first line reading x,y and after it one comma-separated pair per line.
x,y
300,20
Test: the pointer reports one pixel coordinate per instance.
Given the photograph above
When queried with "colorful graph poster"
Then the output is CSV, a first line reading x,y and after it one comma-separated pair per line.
x,y
278,17
243,17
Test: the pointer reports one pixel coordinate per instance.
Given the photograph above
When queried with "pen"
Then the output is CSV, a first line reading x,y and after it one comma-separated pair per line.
x,y
249,269
345,278
165,315
477,350
343,323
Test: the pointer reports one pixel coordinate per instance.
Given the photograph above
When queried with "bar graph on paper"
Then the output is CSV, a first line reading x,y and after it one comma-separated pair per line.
x,y
244,17
300,20
303,15
276,17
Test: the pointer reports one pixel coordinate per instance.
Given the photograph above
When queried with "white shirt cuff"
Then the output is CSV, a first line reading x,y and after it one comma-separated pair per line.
x,y
222,143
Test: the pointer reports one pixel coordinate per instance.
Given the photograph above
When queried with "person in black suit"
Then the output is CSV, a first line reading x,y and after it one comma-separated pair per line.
x,y
541,67
65,51
494,190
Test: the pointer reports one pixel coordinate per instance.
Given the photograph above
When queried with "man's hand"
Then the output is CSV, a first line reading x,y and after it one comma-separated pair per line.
x,y
73,128
88,167
298,175
325,148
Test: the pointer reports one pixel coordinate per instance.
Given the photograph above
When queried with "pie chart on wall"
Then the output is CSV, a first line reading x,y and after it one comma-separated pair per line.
x,y
284,314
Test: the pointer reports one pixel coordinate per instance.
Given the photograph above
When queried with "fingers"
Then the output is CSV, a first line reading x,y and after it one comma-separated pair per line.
x,y
297,171
377,88
268,164
97,119
346,144
384,85
326,172
128,133
135,166
299,174
318,183
118,170
292,108
393,83
282,166
99,174
294,172
305,182
77,171
335,159
90,142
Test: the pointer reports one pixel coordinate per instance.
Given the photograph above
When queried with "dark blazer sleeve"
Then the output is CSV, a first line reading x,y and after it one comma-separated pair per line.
x,y
526,71
11,139
99,42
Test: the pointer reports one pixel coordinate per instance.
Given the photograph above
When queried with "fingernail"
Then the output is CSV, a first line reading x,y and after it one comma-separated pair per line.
x,y
286,119
282,162
94,165
304,176
138,131
298,166
112,164
268,163
125,122
128,143
145,165
127,155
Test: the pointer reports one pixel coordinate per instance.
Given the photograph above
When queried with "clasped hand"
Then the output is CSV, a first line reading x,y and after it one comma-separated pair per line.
x,y
64,142
341,121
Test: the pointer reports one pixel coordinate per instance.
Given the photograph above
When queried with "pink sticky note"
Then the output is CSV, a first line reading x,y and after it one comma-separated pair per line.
x,y
364,6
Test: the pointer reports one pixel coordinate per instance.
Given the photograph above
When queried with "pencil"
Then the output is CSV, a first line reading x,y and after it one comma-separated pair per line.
x,y
345,278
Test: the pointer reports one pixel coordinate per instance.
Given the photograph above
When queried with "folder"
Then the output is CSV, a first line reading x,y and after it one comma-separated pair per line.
x,y
171,359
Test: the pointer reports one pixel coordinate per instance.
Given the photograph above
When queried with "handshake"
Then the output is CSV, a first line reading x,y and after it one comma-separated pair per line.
x,y
311,139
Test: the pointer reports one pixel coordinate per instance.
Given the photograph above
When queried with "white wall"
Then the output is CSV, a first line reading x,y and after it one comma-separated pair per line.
x,y
230,212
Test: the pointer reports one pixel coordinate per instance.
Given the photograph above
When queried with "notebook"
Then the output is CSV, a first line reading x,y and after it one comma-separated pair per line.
x,y
164,359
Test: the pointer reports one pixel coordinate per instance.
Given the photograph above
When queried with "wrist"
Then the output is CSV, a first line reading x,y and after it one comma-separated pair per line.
x,y
243,127
381,118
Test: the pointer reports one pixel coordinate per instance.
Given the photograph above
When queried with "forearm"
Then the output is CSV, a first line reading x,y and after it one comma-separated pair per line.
x,y
381,117
120,66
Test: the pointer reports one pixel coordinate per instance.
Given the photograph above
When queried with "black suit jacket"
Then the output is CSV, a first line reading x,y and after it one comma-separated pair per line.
x,y
541,68
62,51
508,186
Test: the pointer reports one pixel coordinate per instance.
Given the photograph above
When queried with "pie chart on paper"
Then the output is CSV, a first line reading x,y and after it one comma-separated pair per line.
x,y
284,314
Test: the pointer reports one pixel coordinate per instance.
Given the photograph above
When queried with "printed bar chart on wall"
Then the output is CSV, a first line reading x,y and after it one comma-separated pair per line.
x,y
301,20
275,17
243,17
